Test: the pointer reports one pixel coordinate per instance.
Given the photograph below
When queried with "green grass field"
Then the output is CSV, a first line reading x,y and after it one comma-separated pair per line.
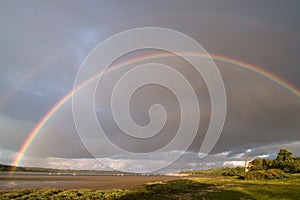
x,y
185,188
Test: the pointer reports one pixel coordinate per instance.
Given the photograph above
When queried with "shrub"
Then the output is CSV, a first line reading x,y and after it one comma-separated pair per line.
x,y
265,174
232,171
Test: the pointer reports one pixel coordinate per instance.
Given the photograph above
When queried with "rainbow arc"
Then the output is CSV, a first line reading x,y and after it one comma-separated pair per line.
x,y
252,68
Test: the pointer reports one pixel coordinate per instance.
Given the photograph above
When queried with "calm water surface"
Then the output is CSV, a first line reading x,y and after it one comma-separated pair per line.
x,y
72,181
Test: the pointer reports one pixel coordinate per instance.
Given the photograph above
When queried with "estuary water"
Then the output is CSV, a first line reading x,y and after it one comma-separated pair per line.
x,y
74,181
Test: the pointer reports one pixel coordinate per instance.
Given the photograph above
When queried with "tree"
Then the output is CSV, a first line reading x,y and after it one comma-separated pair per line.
x,y
284,155
257,164
292,167
267,164
285,162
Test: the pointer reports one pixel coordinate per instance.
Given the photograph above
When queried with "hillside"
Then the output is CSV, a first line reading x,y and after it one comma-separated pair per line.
x,y
7,168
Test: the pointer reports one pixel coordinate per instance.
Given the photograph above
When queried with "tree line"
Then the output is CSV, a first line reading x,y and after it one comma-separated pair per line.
x,y
284,161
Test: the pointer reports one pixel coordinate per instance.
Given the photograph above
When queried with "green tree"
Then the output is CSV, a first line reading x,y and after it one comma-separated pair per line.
x,y
285,161
267,164
257,164
292,167
261,164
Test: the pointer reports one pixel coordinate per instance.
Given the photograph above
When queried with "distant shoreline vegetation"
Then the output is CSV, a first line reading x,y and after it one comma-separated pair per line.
x,y
50,171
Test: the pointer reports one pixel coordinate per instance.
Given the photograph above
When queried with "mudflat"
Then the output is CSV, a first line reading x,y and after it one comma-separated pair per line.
x,y
20,181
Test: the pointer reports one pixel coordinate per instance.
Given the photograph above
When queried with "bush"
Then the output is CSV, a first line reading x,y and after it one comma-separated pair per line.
x,y
265,174
232,171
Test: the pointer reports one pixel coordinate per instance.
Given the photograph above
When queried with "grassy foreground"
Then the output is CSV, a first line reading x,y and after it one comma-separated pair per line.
x,y
186,188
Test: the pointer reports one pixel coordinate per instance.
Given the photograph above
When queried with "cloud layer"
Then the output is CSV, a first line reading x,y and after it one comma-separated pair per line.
x,y
43,46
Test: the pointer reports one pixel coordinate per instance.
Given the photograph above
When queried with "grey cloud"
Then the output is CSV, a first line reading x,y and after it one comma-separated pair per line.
x,y
12,135
261,116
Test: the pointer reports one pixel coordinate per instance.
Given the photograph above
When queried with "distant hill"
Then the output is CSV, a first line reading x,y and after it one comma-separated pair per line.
x,y
7,168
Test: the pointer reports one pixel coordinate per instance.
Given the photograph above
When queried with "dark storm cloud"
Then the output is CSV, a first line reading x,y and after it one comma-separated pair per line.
x,y
59,35
259,113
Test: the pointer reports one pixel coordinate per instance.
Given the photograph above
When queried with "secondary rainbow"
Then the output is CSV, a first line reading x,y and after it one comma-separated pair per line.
x,y
36,71
252,68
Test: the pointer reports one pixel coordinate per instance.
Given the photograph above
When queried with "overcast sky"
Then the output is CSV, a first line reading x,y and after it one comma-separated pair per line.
x,y
43,44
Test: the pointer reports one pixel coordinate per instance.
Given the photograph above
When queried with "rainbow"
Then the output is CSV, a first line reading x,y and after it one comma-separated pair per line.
x,y
252,68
